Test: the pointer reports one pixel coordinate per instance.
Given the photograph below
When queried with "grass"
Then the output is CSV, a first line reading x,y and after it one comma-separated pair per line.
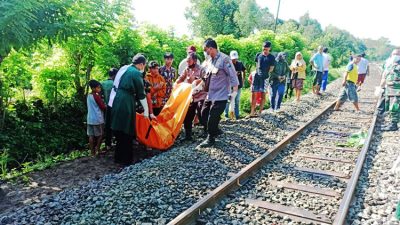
x,y
44,162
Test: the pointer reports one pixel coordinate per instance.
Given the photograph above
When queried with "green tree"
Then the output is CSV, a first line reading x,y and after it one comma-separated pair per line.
x,y
250,17
213,17
310,28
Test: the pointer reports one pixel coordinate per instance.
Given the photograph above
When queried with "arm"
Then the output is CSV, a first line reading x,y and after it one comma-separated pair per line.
x,y
302,68
230,70
182,77
138,85
99,102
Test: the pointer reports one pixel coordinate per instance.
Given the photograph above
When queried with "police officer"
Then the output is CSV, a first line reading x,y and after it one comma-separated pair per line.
x,y
391,78
220,77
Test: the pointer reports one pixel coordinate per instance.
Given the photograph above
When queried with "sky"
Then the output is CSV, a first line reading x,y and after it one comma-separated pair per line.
x,y
362,18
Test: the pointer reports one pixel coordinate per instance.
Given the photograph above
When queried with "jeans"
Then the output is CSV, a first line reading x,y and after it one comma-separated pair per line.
x,y
237,102
324,80
277,91
211,115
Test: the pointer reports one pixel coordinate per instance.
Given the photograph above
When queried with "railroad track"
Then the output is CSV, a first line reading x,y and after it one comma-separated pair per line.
x,y
313,162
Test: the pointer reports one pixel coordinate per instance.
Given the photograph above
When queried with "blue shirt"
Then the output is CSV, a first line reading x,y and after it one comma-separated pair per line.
x,y
318,60
223,77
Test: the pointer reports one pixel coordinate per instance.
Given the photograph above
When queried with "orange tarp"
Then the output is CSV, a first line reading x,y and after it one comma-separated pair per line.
x,y
161,133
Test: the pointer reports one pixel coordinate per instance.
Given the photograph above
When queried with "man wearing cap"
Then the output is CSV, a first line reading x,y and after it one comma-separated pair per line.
x,y
169,74
220,77
265,63
240,71
183,64
317,62
127,87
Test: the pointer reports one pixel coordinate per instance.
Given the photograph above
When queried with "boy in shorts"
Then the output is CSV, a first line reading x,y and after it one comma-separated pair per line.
x,y
95,117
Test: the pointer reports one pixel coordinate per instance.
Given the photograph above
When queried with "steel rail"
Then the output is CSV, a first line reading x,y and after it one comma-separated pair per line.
x,y
352,184
190,215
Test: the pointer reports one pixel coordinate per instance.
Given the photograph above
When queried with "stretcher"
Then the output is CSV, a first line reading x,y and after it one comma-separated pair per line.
x,y
161,133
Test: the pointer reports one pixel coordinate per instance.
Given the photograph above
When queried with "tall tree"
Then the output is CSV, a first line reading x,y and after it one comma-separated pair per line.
x,y
251,16
213,17
309,27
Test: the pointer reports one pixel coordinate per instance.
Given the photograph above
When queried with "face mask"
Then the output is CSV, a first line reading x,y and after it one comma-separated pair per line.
x,y
205,55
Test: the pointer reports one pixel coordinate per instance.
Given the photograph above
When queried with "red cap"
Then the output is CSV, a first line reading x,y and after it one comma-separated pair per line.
x,y
191,48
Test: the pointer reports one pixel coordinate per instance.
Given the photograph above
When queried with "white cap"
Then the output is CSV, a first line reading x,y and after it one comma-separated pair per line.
x,y
234,55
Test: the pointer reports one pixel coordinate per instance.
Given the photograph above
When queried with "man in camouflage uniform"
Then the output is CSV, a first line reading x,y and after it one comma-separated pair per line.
x,y
392,95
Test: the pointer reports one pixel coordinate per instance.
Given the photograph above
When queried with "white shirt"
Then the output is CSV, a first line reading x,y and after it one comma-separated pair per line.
x,y
363,66
117,79
327,61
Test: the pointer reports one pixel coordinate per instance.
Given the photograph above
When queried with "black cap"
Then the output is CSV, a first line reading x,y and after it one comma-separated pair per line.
x,y
138,59
267,44
193,56
153,64
168,55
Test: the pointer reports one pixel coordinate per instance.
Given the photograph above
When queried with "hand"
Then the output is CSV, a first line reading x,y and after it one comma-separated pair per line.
x,y
344,83
153,117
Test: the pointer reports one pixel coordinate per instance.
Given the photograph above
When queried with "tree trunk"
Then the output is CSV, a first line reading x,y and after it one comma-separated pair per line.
x,y
88,73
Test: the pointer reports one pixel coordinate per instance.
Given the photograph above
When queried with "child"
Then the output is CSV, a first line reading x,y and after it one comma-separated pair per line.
x,y
95,117
158,87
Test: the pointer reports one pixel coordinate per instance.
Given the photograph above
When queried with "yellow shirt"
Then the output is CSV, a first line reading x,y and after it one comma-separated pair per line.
x,y
352,71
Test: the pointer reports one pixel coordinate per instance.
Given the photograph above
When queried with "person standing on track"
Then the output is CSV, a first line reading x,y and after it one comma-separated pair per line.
x,y
220,77
107,86
391,78
363,71
240,70
127,89
298,67
169,74
277,82
265,62
183,64
193,74
349,90
157,87
327,62
317,62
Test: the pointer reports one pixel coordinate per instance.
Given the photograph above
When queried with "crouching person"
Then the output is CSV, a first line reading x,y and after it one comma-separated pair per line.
x,y
193,74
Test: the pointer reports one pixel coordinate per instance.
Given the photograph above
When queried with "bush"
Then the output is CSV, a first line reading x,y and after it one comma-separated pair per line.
x,y
33,130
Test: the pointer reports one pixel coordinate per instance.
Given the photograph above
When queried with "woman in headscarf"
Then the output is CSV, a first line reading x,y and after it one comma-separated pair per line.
x,y
298,68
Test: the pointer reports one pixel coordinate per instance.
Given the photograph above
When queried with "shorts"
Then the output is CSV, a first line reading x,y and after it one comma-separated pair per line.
x,y
317,78
361,78
298,84
263,87
95,130
349,92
